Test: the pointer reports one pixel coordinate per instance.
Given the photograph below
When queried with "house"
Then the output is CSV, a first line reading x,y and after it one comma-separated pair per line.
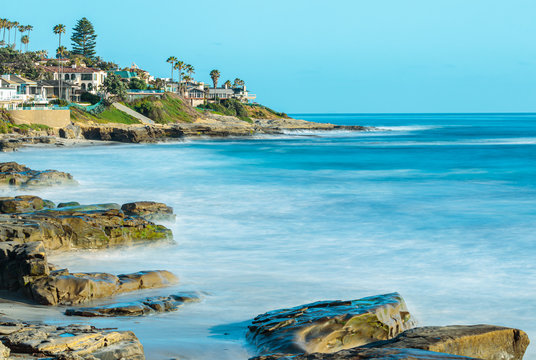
x,y
25,90
88,79
125,75
51,90
238,93
8,95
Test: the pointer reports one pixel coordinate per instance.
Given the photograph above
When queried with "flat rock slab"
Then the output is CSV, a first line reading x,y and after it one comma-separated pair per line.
x,y
330,326
14,174
80,227
137,308
370,354
481,341
68,342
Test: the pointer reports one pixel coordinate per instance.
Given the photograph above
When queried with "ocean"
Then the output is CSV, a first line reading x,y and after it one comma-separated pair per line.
x,y
438,207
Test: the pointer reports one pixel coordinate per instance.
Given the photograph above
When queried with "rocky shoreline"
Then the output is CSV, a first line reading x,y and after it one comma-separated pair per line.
x,y
376,327
214,126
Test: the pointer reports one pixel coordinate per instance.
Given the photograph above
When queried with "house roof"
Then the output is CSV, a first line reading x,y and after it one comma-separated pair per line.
x,y
70,70
55,83
17,79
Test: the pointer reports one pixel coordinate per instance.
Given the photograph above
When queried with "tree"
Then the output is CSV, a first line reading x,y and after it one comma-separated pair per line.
x,y
25,40
114,87
15,25
84,38
227,84
61,52
22,30
28,29
238,83
172,60
58,30
190,70
137,84
3,26
215,75
179,65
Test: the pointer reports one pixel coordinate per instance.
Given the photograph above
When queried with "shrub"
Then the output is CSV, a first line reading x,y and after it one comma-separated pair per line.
x,y
90,98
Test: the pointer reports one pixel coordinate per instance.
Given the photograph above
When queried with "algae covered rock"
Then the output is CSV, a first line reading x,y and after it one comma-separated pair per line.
x,y
20,204
330,326
150,210
481,341
369,354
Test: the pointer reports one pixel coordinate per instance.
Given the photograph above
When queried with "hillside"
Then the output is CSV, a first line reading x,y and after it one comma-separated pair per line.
x,y
167,109
110,115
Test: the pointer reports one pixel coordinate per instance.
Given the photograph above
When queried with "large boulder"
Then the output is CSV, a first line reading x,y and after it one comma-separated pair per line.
x,y
27,341
369,354
12,173
330,326
137,308
21,264
481,341
64,288
150,210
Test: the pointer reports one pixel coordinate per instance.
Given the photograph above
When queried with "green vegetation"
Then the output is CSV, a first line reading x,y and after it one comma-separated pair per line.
x,y
114,86
230,107
167,109
109,115
257,111
12,61
8,126
90,98
84,39
137,84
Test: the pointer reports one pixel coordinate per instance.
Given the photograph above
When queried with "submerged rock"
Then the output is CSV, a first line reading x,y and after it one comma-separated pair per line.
x,y
370,354
137,308
67,342
150,210
481,341
12,173
330,326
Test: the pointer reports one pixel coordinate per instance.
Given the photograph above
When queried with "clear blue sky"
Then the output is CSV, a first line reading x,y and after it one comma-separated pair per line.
x,y
323,56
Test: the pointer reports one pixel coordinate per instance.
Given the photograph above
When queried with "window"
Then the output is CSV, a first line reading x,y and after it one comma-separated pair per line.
x,y
83,86
95,77
66,76
89,87
87,77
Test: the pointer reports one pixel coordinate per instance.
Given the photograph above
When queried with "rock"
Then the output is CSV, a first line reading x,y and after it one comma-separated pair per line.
x,y
85,227
150,210
48,204
20,204
4,351
69,289
24,268
481,341
369,354
68,204
12,173
70,131
330,326
137,308
73,342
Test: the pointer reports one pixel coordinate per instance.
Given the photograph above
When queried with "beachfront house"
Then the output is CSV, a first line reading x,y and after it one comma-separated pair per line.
x,y
18,89
224,92
88,79
8,95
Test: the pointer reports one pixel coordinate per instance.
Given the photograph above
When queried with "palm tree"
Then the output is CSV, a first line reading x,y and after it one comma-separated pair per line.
x,y
172,60
179,65
58,30
227,84
9,26
25,40
190,70
28,29
60,52
215,75
238,82
22,29
15,25
3,26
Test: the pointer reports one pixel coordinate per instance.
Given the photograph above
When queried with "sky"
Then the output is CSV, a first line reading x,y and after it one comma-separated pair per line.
x,y
311,56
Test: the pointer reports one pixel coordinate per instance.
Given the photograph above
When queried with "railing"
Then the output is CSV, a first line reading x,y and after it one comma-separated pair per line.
x,y
137,91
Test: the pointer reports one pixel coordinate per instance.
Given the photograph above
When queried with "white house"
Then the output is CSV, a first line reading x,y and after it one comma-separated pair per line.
x,y
88,79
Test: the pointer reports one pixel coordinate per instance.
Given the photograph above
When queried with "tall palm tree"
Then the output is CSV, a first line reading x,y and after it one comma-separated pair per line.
x,y
172,60
215,75
15,25
227,84
9,26
3,26
238,82
22,29
28,29
58,30
179,65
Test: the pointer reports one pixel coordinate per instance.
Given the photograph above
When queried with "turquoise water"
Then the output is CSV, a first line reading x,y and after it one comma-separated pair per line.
x,y
441,208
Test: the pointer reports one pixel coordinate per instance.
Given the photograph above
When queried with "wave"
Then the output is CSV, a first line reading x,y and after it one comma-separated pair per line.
x,y
409,127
